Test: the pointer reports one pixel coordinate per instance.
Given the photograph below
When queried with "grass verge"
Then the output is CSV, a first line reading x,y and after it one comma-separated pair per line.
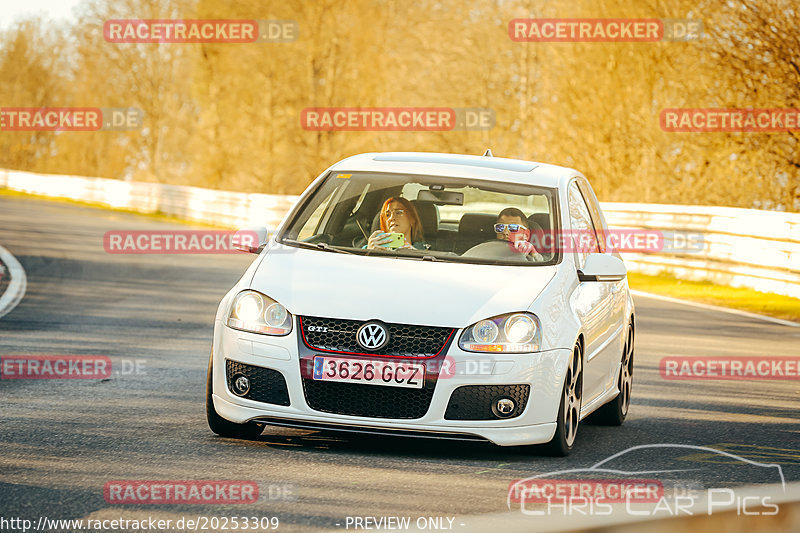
x,y
763,303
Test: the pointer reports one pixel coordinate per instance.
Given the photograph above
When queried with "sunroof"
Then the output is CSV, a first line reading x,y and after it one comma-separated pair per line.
x,y
488,162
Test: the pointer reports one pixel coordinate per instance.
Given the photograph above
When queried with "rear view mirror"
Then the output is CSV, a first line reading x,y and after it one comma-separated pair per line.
x,y
602,267
251,239
441,197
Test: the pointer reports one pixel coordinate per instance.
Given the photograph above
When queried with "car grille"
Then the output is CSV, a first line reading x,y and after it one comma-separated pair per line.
x,y
474,402
371,401
404,340
266,385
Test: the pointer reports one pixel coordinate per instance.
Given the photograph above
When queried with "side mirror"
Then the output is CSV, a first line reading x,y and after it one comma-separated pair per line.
x,y
252,239
602,267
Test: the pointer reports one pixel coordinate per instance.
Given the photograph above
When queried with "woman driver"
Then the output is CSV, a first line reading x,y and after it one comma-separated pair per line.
x,y
398,215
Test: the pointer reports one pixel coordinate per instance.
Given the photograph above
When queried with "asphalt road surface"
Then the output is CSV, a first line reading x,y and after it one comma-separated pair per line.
x,y
61,441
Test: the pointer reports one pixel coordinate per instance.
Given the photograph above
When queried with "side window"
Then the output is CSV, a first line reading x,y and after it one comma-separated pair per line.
x,y
594,211
584,239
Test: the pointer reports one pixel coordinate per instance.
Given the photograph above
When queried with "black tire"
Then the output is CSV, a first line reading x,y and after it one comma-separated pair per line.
x,y
569,409
614,412
221,426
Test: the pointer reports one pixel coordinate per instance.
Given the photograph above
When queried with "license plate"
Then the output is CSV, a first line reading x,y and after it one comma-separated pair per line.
x,y
388,373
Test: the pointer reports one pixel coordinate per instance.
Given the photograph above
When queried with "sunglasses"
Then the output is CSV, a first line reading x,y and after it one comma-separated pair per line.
x,y
500,228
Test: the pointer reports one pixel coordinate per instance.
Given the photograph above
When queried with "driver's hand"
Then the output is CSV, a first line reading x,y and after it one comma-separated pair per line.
x,y
523,247
378,239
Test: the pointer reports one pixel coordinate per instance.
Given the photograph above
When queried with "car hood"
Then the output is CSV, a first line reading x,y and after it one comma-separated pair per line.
x,y
327,284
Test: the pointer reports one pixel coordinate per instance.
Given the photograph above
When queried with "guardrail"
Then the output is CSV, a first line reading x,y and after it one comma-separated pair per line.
x,y
741,247
223,208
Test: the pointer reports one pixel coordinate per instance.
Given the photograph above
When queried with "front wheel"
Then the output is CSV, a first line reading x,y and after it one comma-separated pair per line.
x,y
222,426
569,411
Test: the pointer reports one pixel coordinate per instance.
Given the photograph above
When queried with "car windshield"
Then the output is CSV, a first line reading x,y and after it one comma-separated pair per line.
x,y
456,219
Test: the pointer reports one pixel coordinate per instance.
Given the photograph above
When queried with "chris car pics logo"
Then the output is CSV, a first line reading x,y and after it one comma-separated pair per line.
x,y
654,480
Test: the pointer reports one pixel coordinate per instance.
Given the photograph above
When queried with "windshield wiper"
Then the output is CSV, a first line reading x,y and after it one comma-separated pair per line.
x,y
381,253
319,246
378,252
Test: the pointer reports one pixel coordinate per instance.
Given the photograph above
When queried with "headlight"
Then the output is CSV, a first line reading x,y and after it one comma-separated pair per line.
x,y
254,312
511,333
485,331
519,329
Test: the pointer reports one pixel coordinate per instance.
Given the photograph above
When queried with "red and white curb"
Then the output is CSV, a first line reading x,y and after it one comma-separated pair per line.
x,y
17,283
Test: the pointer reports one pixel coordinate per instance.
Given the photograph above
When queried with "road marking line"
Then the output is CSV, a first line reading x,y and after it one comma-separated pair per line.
x,y
751,451
717,308
16,285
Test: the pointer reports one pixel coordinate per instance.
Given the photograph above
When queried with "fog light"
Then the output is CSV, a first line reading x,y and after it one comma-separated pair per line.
x,y
241,385
504,407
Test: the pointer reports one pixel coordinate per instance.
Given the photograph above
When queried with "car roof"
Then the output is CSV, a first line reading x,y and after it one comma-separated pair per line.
x,y
459,165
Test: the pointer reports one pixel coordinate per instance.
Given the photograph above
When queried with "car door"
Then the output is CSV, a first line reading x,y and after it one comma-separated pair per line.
x,y
592,300
616,322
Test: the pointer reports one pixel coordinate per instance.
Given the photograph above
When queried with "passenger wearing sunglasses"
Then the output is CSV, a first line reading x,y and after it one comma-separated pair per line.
x,y
512,226
398,215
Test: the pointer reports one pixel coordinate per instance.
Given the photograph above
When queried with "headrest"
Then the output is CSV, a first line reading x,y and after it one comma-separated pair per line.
x,y
477,224
542,219
429,215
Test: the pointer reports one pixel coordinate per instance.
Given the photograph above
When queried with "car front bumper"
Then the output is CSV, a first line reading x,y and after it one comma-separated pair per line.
x,y
543,372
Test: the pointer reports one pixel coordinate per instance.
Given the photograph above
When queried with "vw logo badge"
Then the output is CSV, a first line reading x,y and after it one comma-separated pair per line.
x,y
372,336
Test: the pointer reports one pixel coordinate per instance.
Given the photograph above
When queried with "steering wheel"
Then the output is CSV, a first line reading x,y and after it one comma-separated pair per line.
x,y
496,249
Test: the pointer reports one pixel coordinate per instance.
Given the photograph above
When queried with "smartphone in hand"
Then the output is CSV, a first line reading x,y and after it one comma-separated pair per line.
x,y
398,240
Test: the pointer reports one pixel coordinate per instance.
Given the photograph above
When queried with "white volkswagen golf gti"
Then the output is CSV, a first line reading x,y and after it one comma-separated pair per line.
x,y
429,295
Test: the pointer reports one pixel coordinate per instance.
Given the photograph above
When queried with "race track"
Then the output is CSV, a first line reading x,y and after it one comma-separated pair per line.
x,y
62,440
